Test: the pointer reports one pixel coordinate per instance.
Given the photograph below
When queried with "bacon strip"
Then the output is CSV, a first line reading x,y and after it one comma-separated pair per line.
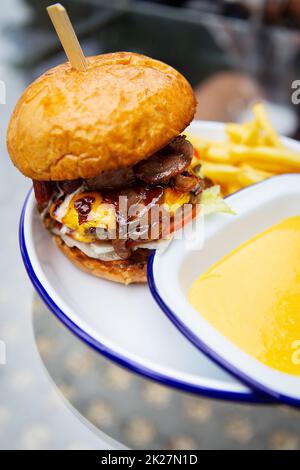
x,y
43,191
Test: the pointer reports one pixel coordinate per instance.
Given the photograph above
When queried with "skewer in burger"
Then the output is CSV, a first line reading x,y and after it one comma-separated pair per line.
x,y
85,138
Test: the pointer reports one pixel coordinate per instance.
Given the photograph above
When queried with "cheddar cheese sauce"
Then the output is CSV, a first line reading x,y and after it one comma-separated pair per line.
x,y
252,296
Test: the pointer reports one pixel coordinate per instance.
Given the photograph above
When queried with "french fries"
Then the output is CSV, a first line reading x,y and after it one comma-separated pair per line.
x,y
220,173
249,175
251,153
265,124
277,160
218,153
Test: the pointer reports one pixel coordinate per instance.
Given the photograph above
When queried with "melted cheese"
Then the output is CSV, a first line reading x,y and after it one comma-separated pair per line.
x,y
101,215
173,199
252,296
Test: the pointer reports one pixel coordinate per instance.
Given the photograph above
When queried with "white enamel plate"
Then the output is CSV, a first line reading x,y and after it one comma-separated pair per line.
x,y
123,323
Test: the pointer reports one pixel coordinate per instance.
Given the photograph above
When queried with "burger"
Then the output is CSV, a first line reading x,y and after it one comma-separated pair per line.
x,y
89,139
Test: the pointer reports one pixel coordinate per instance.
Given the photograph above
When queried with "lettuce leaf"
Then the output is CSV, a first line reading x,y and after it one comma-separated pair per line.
x,y
212,201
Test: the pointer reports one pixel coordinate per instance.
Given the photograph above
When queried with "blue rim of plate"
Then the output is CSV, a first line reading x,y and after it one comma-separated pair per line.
x,y
266,394
252,397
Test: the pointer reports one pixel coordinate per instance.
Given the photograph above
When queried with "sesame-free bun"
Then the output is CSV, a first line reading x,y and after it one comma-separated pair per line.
x,y
128,271
123,108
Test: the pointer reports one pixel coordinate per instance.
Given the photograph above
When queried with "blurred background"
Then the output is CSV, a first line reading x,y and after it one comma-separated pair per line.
x,y
233,53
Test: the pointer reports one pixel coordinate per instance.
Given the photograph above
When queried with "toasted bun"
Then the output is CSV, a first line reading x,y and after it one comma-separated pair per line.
x,y
70,124
125,272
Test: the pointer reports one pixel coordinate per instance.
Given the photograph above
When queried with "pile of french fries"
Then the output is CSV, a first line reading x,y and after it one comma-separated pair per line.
x,y
252,152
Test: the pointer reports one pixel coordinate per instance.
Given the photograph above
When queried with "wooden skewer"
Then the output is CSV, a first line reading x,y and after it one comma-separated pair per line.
x,y
67,36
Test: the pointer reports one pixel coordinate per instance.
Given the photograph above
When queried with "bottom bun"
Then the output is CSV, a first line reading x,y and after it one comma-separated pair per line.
x,y
124,271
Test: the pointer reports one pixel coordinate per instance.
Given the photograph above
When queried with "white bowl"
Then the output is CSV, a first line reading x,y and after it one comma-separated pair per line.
x,y
171,273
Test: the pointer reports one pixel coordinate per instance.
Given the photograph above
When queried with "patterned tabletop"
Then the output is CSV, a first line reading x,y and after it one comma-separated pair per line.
x,y
143,414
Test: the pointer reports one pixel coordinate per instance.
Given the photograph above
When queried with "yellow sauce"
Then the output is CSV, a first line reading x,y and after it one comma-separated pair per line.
x,y
252,296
